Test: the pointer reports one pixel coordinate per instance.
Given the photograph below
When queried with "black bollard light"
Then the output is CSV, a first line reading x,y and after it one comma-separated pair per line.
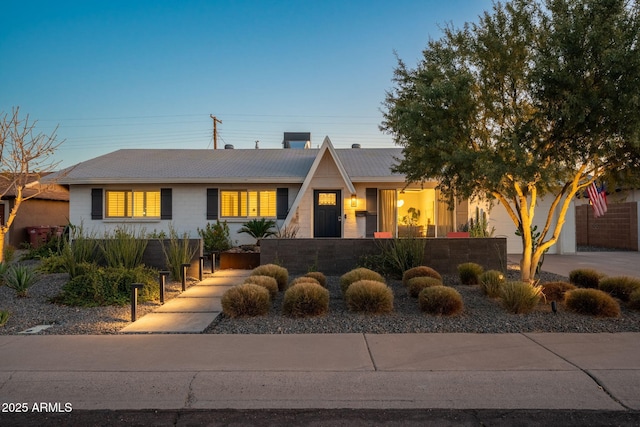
x,y
213,262
184,276
162,278
134,299
201,268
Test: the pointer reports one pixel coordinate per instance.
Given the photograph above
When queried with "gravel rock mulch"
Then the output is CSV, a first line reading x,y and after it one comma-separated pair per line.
x,y
481,315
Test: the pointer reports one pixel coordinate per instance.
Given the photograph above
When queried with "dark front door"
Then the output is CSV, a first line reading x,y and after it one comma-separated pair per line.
x,y
327,213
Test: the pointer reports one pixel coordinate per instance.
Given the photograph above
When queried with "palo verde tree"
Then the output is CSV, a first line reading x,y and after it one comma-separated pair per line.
x,y
532,100
25,155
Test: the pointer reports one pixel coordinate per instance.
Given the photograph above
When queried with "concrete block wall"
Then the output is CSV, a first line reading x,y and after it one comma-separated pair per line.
x,y
337,256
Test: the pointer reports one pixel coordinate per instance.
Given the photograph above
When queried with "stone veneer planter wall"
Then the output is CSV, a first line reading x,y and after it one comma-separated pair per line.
x,y
337,256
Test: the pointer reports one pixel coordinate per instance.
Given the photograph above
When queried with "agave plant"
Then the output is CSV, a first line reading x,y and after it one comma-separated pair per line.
x,y
259,228
20,278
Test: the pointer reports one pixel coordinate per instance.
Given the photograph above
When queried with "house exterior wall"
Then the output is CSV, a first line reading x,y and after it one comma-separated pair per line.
x,y
504,227
35,213
189,207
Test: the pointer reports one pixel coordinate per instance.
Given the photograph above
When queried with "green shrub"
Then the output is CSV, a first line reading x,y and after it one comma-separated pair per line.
x,y
20,278
585,278
178,251
4,317
369,296
215,237
124,247
418,283
555,291
4,267
440,300
358,274
9,254
619,287
306,299
634,300
97,286
320,277
53,264
520,297
303,279
592,302
277,272
469,273
246,300
420,271
491,282
268,282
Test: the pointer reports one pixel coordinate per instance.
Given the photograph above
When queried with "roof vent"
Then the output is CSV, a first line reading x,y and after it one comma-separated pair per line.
x,y
355,146
297,140
228,146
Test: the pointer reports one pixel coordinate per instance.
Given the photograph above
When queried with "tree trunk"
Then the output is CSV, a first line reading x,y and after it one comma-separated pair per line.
x,y
3,232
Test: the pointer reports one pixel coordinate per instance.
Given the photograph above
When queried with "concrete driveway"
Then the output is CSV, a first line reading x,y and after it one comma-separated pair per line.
x,y
621,263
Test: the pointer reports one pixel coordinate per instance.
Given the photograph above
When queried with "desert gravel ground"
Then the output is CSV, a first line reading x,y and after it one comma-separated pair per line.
x,y
481,315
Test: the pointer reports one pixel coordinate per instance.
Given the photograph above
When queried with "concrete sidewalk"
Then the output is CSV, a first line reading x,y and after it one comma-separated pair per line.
x,y
599,372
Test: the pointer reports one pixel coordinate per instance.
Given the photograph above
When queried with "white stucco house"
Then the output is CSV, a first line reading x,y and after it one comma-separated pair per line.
x,y
323,192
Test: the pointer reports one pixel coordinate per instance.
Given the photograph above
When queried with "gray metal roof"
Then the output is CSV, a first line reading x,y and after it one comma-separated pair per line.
x,y
233,165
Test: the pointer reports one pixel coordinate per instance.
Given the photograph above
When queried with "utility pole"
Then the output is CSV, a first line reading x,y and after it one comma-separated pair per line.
x,y
215,130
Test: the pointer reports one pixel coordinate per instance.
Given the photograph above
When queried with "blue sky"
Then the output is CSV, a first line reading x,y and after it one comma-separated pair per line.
x,y
146,74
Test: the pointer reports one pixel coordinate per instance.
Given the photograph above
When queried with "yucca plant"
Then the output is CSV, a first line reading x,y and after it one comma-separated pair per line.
x,y
259,228
20,278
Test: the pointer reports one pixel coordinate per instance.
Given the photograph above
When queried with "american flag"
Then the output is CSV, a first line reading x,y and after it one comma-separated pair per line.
x,y
598,199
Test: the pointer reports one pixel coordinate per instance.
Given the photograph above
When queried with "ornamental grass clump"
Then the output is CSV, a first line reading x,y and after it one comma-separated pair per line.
x,y
420,271
634,300
491,282
520,297
585,278
4,317
593,302
440,301
358,274
469,273
305,299
620,287
320,277
277,272
246,300
416,284
267,282
555,291
303,279
369,296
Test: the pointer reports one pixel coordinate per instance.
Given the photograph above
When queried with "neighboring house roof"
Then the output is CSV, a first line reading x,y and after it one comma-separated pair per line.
x,y
139,166
34,189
